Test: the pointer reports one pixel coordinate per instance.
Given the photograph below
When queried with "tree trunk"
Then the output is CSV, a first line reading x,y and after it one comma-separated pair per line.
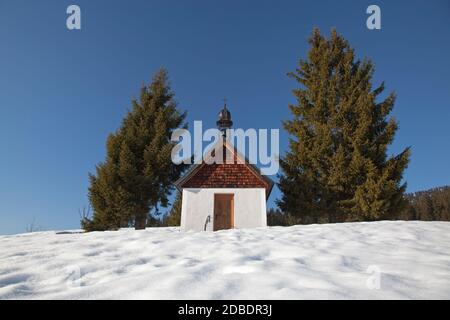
x,y
140,221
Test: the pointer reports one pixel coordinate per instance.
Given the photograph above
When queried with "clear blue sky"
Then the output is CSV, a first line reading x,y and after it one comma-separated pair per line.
x,y
62,92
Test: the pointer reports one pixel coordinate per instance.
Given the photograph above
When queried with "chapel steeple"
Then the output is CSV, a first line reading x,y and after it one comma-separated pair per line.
x,y
224,121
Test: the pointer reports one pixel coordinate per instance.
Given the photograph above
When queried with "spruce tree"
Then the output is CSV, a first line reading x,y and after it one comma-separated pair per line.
x,y
138,173
337,168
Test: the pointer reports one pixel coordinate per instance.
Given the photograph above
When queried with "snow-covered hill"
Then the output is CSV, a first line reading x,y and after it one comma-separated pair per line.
x,y
338,261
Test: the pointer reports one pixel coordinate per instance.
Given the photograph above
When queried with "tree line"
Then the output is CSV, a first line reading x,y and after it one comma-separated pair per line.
x,y
336,167
432,204
428,205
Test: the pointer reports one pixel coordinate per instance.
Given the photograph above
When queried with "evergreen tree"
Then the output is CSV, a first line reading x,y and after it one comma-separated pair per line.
x,y
336,168
154,222
277,218
138,173
174,217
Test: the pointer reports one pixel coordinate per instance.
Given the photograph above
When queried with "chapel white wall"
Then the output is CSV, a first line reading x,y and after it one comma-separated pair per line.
x,y
198,203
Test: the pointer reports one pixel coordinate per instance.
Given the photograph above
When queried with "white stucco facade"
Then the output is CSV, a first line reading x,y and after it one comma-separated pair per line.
x,y
197,204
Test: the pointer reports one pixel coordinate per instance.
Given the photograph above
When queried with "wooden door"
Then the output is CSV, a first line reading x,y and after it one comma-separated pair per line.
x,y
223,211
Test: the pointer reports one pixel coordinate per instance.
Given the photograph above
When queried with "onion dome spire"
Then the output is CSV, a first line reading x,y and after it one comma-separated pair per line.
x,y
224,121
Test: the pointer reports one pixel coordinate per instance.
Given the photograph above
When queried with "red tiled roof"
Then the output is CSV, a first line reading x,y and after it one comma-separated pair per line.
x,y
239,174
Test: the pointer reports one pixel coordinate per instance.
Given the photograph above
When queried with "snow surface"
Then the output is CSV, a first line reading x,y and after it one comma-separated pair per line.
x,y
299,262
